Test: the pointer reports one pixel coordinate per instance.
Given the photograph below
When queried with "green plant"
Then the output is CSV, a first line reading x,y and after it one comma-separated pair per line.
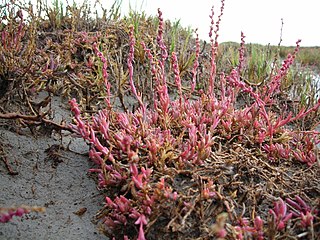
x,y
55,13
174,35
259,63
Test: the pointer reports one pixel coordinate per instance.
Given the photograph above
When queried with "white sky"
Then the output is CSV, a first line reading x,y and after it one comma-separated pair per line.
x,y
260,20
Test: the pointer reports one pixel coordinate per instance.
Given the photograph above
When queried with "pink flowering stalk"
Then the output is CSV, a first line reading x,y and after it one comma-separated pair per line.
x,y
130,66
176,73
154,72
241,54
162,89
274,86
164,53
214,46
213,56
216,31
104,73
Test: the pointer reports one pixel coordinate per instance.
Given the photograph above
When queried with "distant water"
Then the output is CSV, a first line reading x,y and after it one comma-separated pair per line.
x,y
316,81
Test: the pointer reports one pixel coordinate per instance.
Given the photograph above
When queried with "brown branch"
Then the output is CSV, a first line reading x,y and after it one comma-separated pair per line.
x,y
8,166
18,115
35,118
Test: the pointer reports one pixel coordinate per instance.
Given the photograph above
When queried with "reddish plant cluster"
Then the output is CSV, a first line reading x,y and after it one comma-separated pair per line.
x,y
280,214
280,219
6,214
243,229
13,45
6,217
135,151
302,211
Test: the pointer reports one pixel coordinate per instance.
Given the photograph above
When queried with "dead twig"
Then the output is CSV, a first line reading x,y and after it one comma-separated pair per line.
x,y
35,118
8,166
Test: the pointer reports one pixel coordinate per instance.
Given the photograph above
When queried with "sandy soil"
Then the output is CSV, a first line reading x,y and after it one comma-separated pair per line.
x,y
58,182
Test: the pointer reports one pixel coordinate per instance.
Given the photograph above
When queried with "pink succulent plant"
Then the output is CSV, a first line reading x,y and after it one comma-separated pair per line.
x,y
280,214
